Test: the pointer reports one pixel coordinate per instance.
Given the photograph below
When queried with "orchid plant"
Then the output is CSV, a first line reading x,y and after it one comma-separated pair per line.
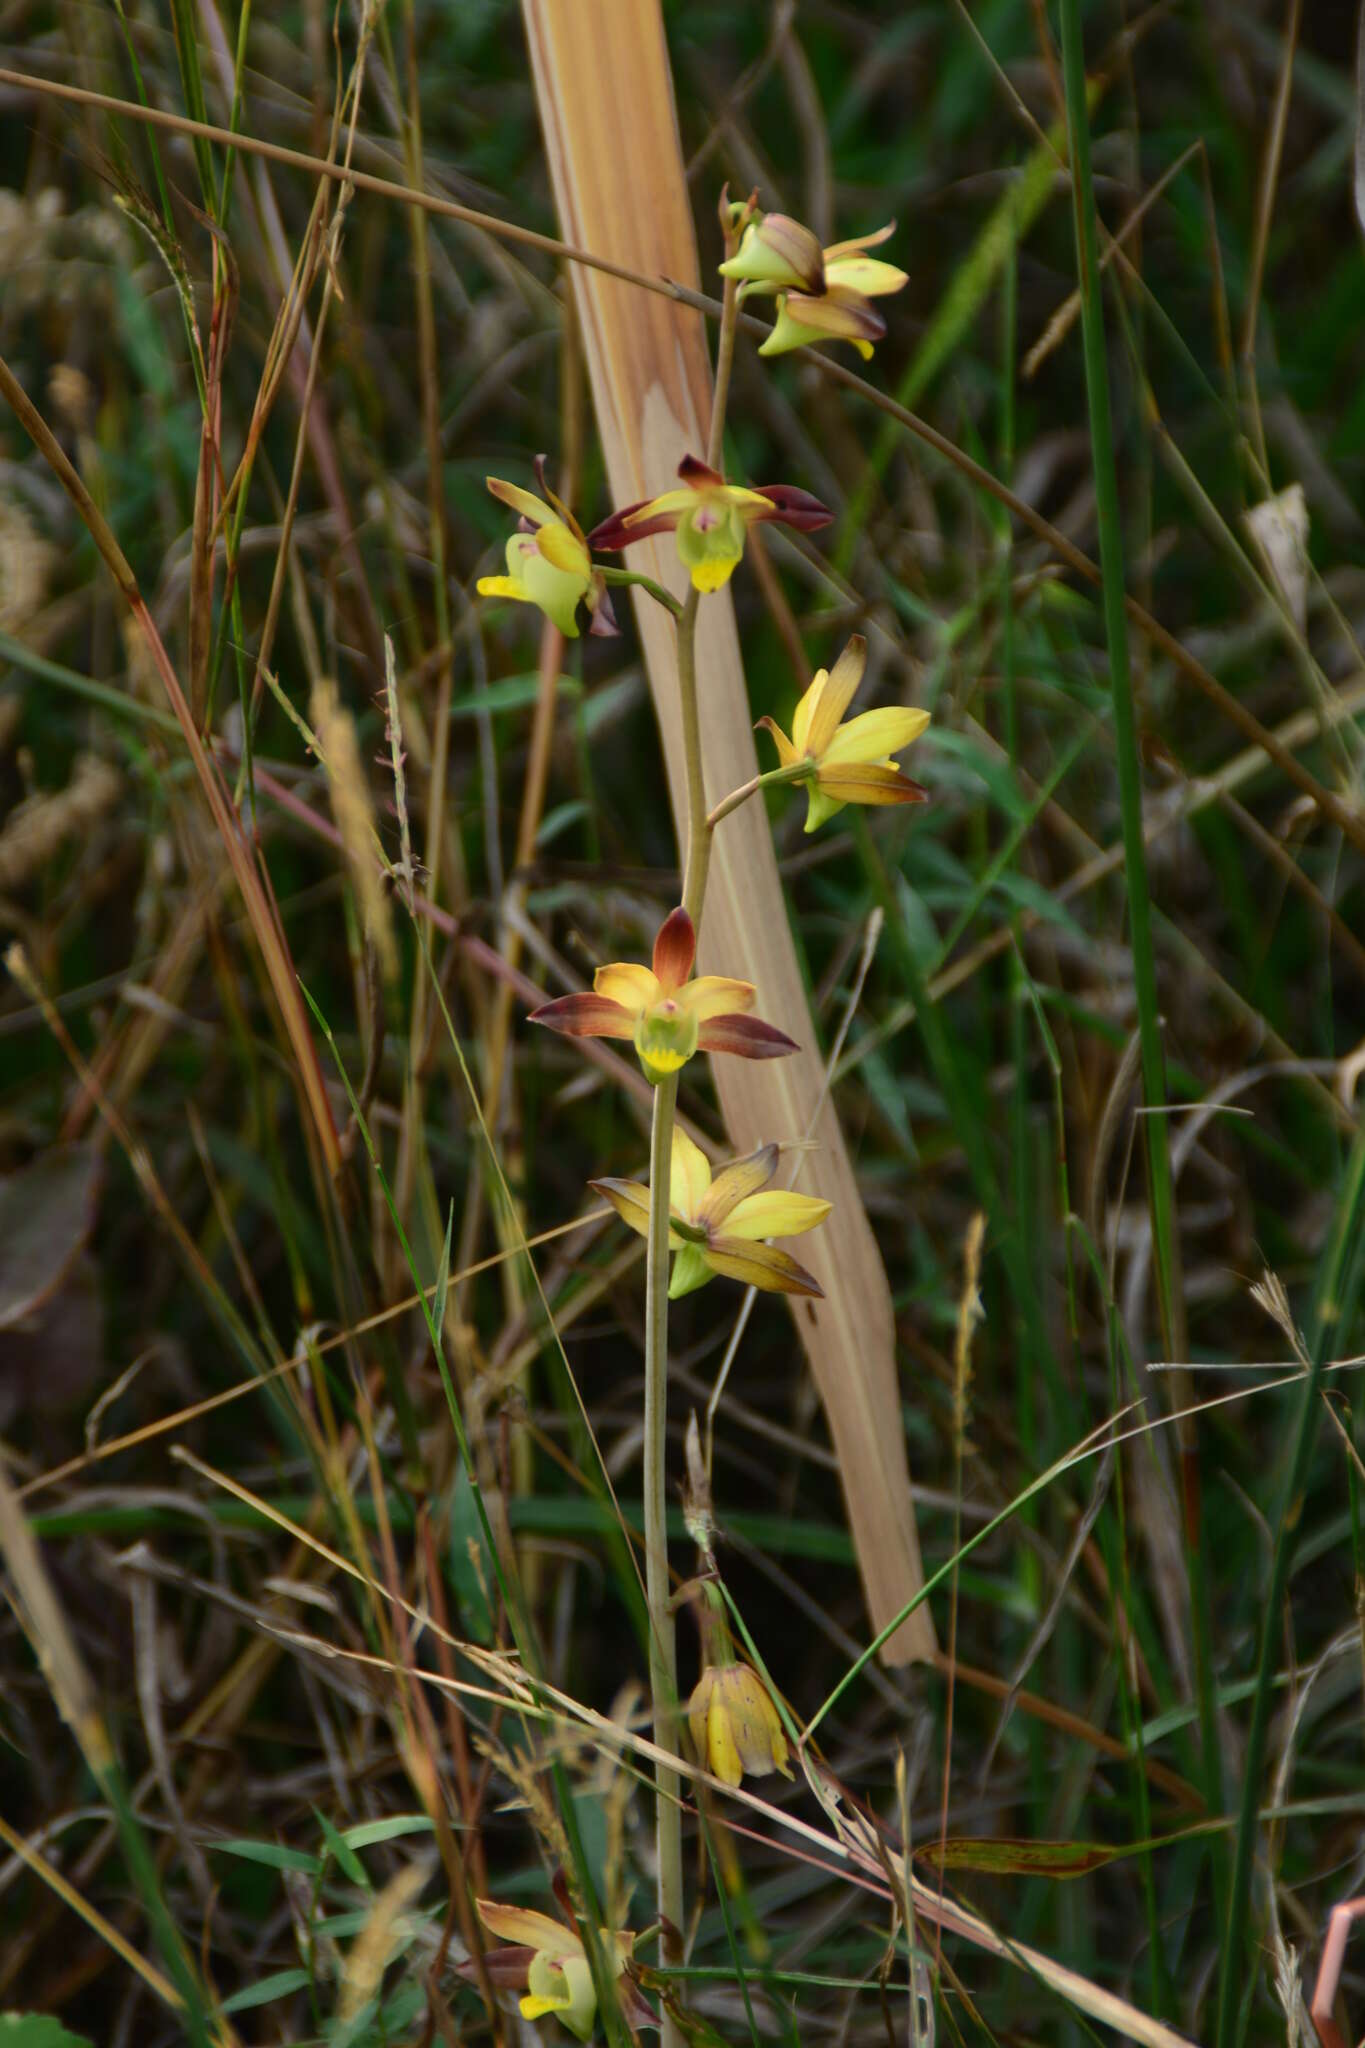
x,y
698,1222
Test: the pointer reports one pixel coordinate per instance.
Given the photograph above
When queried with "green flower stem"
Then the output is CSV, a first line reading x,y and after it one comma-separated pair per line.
x,y
623,578
663,1653
772,778
698,831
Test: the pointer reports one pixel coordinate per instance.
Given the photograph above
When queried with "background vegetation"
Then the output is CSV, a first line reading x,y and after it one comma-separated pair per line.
x,y
219,1403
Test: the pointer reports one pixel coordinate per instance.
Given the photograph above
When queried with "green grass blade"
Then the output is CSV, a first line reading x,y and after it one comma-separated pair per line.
x,y
1333,1312
1159,1185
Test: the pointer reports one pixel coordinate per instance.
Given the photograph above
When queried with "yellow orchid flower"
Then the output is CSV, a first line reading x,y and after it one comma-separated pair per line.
x,y
847,764
735,1726
548,563
776,254
548,1963
710,520
718,1225
668,1016
826,301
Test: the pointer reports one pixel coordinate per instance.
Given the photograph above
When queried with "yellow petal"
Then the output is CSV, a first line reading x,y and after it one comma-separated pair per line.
x,y
741,496
563,549
525,502
557,592
715,995
630,1200
760,1265
741,1178
788,332
843,314
502,586
665,1038
714,575
862,782
787,754
806,711
627,983
690,1178
669,505
841,687
776,253
776,1212
755,1724
874,735
711,538
564,1989
866,275
528,1929
696,1710
721,1753
837,250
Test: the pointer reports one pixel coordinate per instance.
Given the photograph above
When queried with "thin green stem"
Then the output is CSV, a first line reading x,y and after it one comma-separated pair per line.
x,y
1341,1273
235,117
1110,526
663,1656
623,578
663,1653
772,778
698,831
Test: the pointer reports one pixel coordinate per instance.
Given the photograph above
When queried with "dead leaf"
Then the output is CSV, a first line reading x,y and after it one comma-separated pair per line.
x,y
46,1210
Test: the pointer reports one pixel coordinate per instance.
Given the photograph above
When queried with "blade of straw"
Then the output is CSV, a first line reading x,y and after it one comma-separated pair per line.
x,y
606,106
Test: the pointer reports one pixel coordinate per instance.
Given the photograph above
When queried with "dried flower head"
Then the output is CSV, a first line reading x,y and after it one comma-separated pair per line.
x,y
735,1726
35,830
354,813
26,564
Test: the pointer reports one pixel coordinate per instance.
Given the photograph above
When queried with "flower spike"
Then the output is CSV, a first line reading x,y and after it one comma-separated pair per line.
x,y
718,1224
710,520
548,564
847,763
668,1015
